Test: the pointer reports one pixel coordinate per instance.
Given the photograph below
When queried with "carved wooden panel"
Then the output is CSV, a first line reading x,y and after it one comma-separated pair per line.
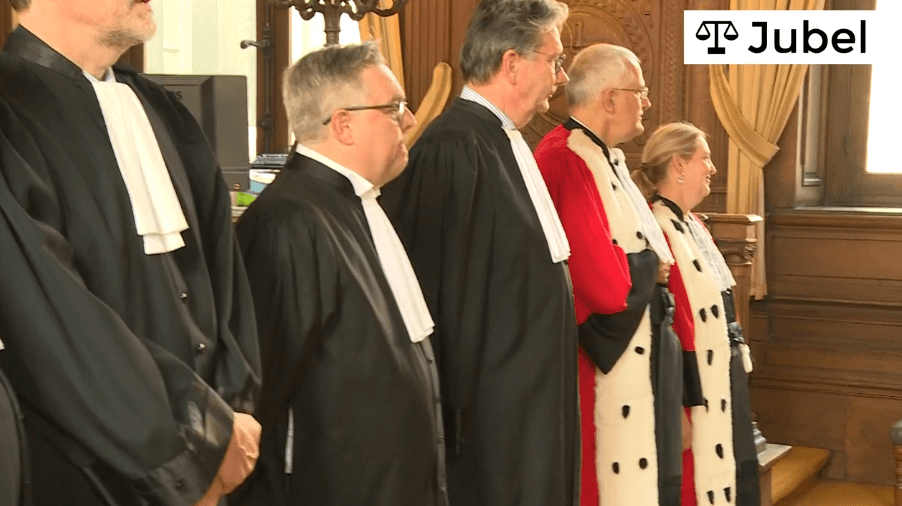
x,y
826,341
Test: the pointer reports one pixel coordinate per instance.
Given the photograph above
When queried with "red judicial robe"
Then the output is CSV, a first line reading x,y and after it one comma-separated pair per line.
x,y
613,274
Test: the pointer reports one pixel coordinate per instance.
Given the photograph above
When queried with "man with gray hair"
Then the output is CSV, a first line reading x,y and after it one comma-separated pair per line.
x,y
350,405
620,261
490,252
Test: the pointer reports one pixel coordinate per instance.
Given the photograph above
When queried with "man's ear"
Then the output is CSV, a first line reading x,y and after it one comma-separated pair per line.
x,y
608,104
510,65
340,127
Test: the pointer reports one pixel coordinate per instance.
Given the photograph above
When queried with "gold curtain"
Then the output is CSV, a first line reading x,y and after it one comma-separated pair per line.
x,y
754,104
388,32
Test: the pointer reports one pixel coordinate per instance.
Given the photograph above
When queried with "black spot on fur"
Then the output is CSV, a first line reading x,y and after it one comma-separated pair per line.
x,y
643,463
615,242
640,235
614,186
706,404
715,311
703,314
723,405
640,350
711,496
616,468
698,266
679,226
719,450
729,493
626,411
710,357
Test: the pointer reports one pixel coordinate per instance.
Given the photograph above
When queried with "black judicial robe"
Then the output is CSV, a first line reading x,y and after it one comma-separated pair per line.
x,y
505,334
14,469
128,366
364,398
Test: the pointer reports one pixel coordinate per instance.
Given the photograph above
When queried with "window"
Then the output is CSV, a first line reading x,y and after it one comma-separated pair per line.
x,y
862,166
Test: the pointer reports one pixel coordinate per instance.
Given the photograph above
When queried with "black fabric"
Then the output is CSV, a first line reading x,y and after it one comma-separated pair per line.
x,y
747,482
102,338
505,335
692,381
666,367
605,337
367,426
15,468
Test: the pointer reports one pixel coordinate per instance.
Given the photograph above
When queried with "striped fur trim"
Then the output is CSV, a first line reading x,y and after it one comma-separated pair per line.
x,y
626,460
712,424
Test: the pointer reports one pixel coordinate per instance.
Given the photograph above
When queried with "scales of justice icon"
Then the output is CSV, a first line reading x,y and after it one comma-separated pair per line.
x,y
704,33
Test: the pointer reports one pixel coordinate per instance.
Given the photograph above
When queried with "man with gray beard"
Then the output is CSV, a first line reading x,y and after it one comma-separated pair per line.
x,y
125,313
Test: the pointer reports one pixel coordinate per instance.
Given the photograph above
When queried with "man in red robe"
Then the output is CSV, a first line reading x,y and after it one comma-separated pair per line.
x,y
630,364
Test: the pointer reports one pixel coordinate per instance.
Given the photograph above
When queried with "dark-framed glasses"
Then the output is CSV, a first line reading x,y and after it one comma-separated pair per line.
x,y
643,91
394,109
558,61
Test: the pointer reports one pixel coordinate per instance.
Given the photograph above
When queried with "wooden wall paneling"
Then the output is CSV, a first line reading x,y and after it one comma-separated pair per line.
x,y
426,27
854,428
7,19
698,109
826,341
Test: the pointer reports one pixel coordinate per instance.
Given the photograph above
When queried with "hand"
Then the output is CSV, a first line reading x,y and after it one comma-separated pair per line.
x,y
663,273
687,431
241,455
239,460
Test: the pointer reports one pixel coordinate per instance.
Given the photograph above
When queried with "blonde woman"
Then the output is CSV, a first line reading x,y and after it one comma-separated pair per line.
x,y
721,467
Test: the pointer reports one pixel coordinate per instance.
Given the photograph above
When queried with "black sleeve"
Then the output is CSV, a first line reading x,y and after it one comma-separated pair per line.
x,y
605,337
123,398
692,382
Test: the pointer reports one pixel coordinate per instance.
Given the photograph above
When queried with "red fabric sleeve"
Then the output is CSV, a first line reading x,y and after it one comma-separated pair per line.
x,y
598,268
683,324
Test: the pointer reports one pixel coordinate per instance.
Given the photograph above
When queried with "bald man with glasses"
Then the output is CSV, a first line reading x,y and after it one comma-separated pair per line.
x,y
350,404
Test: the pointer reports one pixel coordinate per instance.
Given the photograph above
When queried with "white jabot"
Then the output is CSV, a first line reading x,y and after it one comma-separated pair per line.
x,y
558,245
158,214
395,263
711,255
1,344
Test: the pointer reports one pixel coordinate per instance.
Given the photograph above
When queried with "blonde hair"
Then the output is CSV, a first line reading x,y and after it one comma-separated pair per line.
x,y
680,139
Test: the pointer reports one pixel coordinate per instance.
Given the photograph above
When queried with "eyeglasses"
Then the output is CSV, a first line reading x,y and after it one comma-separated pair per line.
x,y
643,91
558,61
395,109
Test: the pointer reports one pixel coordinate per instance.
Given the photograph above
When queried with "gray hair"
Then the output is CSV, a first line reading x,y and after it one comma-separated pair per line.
x,y
323,81
680,139
20,5
500,25
598,67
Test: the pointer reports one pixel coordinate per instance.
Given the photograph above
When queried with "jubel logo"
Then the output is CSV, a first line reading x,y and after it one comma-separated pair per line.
x,y
704,33
786,37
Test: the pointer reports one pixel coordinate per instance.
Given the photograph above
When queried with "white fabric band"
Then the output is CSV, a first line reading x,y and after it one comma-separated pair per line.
x,y
158,214
646,219
710,254
541,200
395,263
